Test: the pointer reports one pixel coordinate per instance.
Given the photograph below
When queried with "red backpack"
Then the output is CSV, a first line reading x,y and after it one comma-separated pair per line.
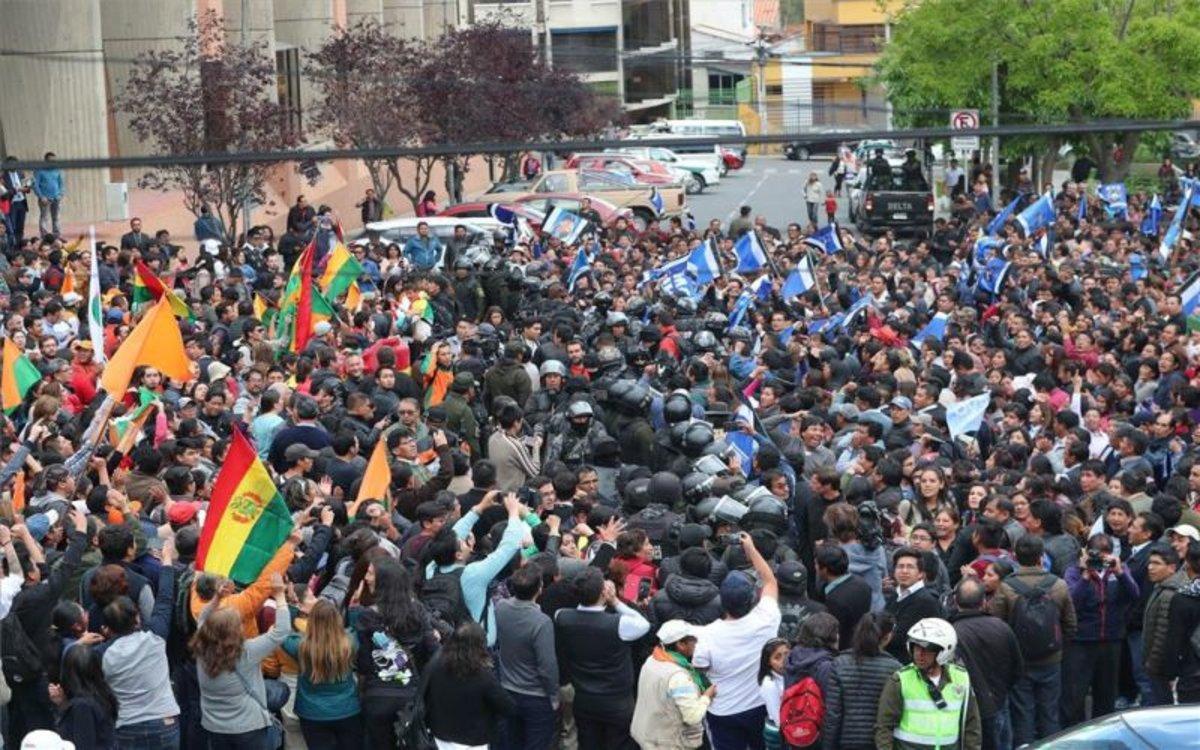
x,y
802,713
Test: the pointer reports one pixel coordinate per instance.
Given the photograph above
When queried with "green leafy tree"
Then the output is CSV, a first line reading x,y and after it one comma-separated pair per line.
x,y
1059,61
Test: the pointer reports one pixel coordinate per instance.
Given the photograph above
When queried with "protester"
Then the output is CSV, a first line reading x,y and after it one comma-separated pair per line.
x,y
673,696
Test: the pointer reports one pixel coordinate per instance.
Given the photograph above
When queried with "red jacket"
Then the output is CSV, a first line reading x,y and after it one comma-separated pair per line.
x,y
83,381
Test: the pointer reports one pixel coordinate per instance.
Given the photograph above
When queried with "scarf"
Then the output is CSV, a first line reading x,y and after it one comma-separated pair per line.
x,y
662,654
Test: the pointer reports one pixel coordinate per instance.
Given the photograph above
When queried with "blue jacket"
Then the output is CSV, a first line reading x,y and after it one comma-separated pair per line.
x,y
48,183
423,253
208,227
1101,604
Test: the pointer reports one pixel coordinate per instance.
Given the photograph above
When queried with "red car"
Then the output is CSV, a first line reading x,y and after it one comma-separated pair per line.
x,y
641,170
544,202
731,159
483,210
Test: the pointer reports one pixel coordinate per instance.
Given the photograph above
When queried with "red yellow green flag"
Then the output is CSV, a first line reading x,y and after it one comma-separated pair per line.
x,y
155,341
341,270
17,377
149,288
247,521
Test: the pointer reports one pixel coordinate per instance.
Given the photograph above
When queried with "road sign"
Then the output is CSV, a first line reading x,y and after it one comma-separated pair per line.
x,y
964,119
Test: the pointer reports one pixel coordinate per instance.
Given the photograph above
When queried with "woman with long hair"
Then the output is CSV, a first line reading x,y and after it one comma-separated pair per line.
x,y
931,496
852,695
87,708
326,691
463,698
396,639
233,696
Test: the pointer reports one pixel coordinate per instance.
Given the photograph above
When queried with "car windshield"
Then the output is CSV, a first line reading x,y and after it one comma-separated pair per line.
x,y
897,179
400,235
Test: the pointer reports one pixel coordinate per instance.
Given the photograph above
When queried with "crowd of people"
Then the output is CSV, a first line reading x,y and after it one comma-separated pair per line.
x,y
619,515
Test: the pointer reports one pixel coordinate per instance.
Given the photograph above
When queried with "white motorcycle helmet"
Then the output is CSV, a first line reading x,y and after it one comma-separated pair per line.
x,y
934,633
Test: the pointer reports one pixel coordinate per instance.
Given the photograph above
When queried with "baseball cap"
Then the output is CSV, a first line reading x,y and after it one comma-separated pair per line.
x,y
322,328
182,513
44,739
39,525
737,594
217,370
1185,529
674,631
297,451
82,344
902,402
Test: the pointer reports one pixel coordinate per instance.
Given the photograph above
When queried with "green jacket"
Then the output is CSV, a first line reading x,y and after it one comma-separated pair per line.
x,y
461,421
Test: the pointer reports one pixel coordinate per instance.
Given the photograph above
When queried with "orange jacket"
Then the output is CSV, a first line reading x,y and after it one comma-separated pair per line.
x,y
251,599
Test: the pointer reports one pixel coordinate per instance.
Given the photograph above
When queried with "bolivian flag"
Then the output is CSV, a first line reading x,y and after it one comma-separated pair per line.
x,y
149,288
247,521
123,431
18,376
341,270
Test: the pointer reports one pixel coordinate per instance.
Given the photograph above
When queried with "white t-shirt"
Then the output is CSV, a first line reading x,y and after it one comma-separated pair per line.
x,y
730,650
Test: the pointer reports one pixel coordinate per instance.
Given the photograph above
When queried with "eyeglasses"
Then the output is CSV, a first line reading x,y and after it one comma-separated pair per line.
x,y
407,412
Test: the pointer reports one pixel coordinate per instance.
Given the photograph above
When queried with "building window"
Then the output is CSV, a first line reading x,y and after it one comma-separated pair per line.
x,y
774,90
287,81
822,98
722,89
585,50
866,39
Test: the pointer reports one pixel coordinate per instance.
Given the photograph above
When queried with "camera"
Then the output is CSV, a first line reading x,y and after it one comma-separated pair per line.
x,y
732,540
1096,561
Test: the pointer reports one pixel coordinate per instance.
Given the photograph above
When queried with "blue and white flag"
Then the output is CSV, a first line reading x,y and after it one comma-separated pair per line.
x,y
581,267
800,280
1043,244
750,253
745,445
503,214
670,268
966,416
656,200
1152,218
1137,267
1039,214
565,225
704,262
982,246
934,329
1175,228
996,224
862,304
785,335
1081,206
740,308
1189,294
761,287
817,325
826,240
993,276
1115,197
679,285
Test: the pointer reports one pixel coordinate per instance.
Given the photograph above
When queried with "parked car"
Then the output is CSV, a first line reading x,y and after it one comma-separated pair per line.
x,y
732,159
1161,728
830,140
1184,146
546,202
398,231
702,170
708,155
483,210
639,198
642,170
718,128
891,200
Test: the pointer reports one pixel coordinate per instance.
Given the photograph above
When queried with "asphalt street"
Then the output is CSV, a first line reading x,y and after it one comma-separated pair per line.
x,y
771,186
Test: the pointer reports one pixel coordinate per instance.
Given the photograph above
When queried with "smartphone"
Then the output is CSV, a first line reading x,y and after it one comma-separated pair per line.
x,y
643,589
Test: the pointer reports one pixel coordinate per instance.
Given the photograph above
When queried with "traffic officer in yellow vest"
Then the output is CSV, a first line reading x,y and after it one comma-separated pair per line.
x,y
929,705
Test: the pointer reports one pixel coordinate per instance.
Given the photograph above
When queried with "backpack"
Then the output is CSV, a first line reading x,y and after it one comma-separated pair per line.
x,y
802,713
20,656
1036,619
442,594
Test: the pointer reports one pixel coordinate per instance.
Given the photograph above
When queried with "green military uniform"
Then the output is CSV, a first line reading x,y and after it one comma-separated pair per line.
x,y
461,421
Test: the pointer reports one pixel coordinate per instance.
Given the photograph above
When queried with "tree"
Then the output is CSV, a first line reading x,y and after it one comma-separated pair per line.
x,y
364,76
209,96
1059,61
486,83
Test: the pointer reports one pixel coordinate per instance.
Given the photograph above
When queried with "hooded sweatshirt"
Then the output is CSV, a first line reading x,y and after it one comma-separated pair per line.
x,y
872,566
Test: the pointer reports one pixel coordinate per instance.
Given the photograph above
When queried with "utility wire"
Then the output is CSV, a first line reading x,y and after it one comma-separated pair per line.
x,y
510,147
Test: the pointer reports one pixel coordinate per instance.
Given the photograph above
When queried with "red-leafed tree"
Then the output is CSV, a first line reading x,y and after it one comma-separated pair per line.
x,y
364,75
210,95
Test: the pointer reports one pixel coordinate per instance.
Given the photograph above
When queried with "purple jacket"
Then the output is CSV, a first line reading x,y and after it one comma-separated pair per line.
x,y
1101,602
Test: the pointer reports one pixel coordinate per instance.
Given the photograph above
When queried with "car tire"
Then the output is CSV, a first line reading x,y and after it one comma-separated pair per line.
x,y
802,153
790,155
693,185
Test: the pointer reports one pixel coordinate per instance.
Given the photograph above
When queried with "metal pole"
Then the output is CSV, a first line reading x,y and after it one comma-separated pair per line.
x,y
995,149
245,38
546,26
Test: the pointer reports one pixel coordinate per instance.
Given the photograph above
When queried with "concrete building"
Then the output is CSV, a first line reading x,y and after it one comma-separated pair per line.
x,y
635,50
847,36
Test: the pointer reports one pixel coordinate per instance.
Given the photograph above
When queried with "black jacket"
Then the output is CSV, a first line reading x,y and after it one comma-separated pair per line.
x,y
916,606
989,650
465,711
848,602
696,600
34,604
852,700
1179,658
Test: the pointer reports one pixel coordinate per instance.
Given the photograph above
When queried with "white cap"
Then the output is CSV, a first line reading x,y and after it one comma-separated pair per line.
x,y
1185,529
44,739
674,631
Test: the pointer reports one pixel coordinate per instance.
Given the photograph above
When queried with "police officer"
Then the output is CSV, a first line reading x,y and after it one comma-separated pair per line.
x,y
575,446
460,419
929,703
